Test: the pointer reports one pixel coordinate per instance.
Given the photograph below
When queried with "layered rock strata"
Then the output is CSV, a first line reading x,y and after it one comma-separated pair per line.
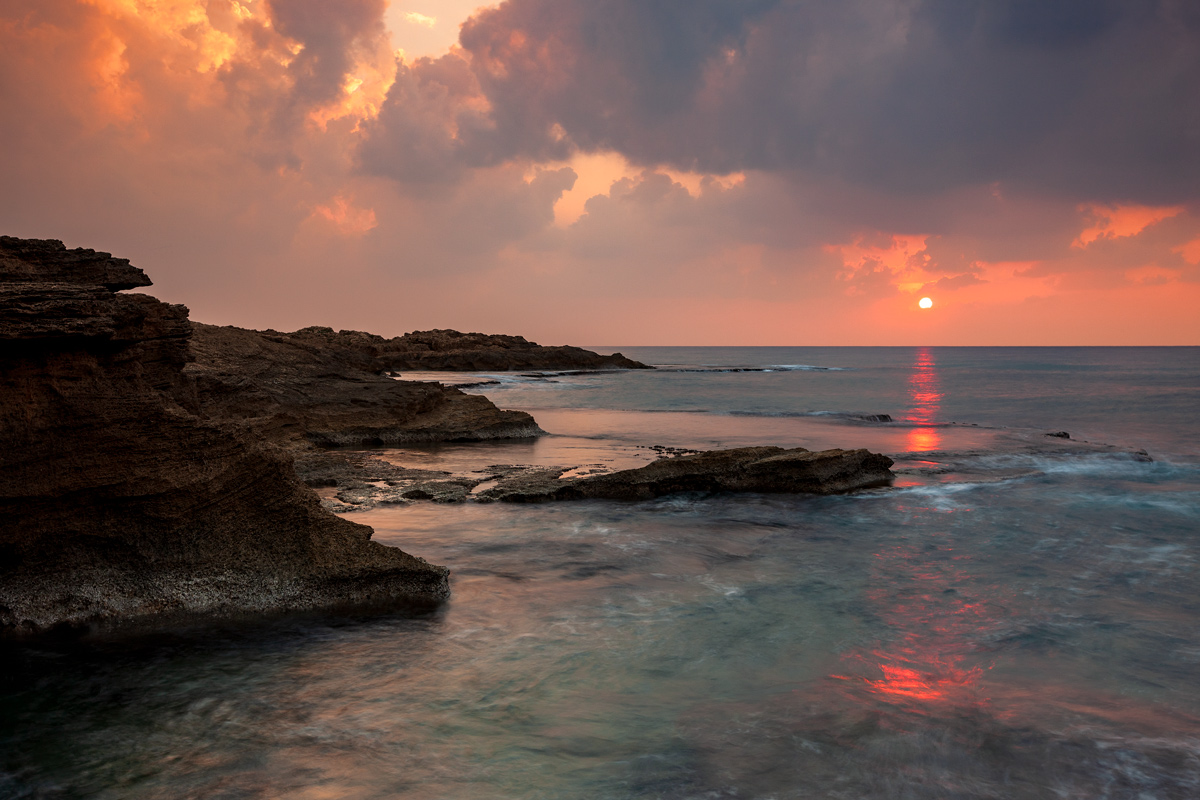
x,y
293,391
120,501
451,350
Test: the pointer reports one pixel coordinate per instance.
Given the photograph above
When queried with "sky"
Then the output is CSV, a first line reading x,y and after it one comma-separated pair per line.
x,y
622,172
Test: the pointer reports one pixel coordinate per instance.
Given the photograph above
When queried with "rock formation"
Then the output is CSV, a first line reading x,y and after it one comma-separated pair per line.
x,y
120,500
296,389
368,480
451,350
742,469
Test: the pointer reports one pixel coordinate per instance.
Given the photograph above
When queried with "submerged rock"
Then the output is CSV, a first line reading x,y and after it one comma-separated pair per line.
x,y
120,501
743,469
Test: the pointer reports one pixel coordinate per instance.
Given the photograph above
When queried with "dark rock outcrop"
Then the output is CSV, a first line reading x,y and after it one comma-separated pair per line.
x,y
451,350
49,261
742,469
292,390
119,501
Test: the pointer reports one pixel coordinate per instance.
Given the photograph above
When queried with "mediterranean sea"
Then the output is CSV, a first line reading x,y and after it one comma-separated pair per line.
x,y
1018,616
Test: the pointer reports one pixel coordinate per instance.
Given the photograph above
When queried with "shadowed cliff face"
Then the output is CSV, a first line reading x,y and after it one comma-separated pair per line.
x,y
296,389
119,502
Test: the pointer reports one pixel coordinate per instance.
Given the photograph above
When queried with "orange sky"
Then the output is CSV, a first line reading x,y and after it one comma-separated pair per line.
x,y
282,163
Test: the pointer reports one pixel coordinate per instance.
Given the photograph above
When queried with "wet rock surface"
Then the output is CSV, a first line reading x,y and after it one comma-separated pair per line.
x,y
742,469
123,500
454,351
367,480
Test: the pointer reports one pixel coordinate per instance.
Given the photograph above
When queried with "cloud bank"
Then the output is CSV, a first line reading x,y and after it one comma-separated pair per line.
x,y
755,171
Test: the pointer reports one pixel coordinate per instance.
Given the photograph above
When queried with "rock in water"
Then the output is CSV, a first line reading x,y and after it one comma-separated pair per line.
x,y
119,502
741,469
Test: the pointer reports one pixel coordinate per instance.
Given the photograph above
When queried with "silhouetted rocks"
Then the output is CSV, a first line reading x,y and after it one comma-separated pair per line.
x,y
450,350
742,469
120,501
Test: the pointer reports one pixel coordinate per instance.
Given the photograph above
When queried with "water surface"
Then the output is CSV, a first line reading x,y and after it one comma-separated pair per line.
x,y
1024,625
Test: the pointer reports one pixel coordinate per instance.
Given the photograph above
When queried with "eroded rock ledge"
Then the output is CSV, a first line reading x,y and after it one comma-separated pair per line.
x,y
452,350
294,391
363,480
743,469
123,500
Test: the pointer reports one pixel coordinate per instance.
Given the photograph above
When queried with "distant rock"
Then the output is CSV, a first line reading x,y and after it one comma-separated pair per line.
x,y
120,501
743,469
307,389
450,350
1060,435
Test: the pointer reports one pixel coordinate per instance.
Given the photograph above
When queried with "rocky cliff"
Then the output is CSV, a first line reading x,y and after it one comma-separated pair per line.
x,y
122,497
451,350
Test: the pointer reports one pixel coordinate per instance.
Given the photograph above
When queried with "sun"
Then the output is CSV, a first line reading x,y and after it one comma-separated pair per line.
x,y
925,302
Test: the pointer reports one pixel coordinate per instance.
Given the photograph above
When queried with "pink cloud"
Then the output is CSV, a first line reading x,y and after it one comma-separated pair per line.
x,y
1120,221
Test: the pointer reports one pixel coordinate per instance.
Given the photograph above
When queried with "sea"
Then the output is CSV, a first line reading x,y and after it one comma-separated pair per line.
x,y
1018,616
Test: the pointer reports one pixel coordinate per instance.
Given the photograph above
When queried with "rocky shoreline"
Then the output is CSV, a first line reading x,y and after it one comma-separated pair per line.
x,y
125,499
156,468
149,461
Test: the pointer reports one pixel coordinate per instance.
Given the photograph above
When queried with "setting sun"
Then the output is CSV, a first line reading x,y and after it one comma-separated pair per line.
x,y
925,302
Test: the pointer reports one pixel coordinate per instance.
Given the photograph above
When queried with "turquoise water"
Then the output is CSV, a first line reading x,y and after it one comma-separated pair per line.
x,y
1017,618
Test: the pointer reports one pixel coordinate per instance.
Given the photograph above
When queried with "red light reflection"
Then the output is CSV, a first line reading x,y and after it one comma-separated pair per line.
x,y
927,665
926,398
901,682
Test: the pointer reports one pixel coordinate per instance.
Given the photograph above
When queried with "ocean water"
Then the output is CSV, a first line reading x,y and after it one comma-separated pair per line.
x,y
1018,617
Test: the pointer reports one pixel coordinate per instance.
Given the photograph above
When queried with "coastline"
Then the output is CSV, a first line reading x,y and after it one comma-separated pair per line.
x,y
149,468
1013,600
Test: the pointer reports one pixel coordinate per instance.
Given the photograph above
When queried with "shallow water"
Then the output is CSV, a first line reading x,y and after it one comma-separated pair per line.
x,y
1032,635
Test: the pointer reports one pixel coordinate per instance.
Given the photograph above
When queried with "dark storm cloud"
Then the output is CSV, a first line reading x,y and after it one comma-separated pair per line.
x,y
432,110
329,33
1078,98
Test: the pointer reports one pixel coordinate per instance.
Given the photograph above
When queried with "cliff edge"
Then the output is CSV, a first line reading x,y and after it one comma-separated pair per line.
x,y
122,499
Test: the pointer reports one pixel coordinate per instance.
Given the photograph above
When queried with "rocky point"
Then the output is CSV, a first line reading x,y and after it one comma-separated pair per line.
x,y
124,498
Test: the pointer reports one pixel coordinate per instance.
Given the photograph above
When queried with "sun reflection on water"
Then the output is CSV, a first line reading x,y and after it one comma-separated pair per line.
x,y
926,666
925,394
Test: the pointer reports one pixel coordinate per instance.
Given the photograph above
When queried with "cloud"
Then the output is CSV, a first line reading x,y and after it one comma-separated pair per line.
x,y
1090,99
417,18
1115,222
328,35
617,171
348,219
